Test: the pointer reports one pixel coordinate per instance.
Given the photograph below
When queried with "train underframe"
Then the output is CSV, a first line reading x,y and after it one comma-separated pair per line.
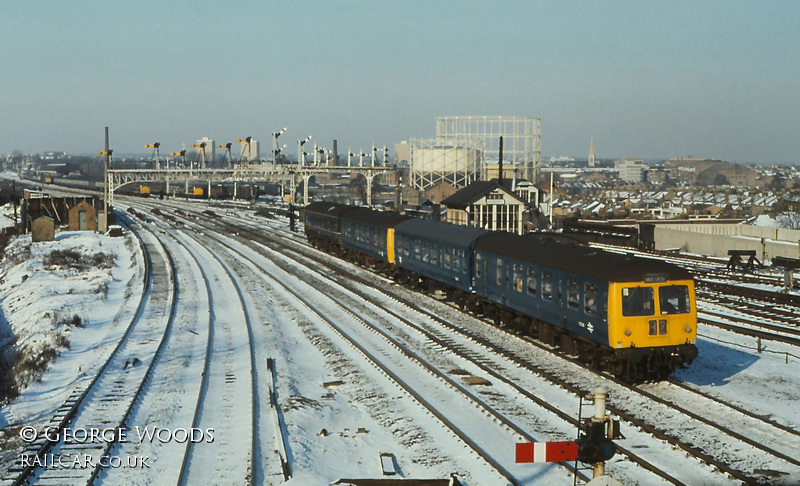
x,y
629,364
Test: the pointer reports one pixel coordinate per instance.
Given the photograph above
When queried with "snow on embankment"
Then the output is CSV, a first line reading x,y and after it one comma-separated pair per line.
x,y
6,215
56,300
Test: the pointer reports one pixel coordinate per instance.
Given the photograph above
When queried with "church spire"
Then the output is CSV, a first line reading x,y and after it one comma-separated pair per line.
x,y
591,153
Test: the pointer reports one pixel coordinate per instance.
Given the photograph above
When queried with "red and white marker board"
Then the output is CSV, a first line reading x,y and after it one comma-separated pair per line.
x,y
547,452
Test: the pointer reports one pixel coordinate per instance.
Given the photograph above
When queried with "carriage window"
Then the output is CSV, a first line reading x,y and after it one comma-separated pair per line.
x,y
517,278
673,299
531,281
500,272
435,255
457,259
406,246
637,301
547,286
417,245
478,266
589,298
425,251
573,293
447,258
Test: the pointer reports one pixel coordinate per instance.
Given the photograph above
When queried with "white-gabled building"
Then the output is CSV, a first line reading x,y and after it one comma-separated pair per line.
x,y
488,205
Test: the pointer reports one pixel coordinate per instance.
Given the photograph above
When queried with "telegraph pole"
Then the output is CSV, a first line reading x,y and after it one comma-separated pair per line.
x,y
107,153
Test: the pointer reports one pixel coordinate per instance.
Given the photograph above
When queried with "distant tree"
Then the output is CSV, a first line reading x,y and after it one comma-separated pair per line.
x,y
358,187
790,220
721,180
777,183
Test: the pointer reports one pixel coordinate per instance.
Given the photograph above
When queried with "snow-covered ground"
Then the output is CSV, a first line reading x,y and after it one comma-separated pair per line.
x,y
51,309
7,215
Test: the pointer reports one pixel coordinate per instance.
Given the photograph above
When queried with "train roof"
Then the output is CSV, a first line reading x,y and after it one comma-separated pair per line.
x,y
582,260
450,234
385,219
325,207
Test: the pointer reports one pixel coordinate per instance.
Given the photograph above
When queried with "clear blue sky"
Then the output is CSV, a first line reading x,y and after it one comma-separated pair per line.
x,y
647,79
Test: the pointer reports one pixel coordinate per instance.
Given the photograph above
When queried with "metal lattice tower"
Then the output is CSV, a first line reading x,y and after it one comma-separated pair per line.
x,y
521,137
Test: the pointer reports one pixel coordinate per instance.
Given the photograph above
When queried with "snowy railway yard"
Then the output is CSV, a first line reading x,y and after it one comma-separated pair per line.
x,y
365,377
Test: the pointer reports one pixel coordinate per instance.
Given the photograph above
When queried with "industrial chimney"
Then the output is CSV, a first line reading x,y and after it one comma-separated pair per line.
x,y
500,164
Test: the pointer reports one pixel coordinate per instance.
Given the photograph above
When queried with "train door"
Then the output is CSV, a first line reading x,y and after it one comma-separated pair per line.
x,y
532,291
501,281
560,298
560,292
477,274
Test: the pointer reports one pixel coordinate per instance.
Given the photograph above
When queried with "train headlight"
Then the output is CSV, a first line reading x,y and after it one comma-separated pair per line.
x,y
627,332
688,329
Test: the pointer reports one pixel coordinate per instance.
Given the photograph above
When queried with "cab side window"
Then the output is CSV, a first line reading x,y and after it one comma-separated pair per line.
x,y
547,286
532,281
589,298
573,293
518,277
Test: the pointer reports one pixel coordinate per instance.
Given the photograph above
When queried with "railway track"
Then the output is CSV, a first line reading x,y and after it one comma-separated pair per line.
x,y
381,351
785,315
218,405
109,399
113,400
161,406
751,328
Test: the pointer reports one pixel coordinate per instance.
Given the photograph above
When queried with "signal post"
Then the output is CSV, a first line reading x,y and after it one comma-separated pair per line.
x,y
594,446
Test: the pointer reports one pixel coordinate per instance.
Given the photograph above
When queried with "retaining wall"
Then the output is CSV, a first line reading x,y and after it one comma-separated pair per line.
x,y
717,239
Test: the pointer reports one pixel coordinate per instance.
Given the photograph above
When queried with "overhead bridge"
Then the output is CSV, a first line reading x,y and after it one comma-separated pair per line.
x,y
254,173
